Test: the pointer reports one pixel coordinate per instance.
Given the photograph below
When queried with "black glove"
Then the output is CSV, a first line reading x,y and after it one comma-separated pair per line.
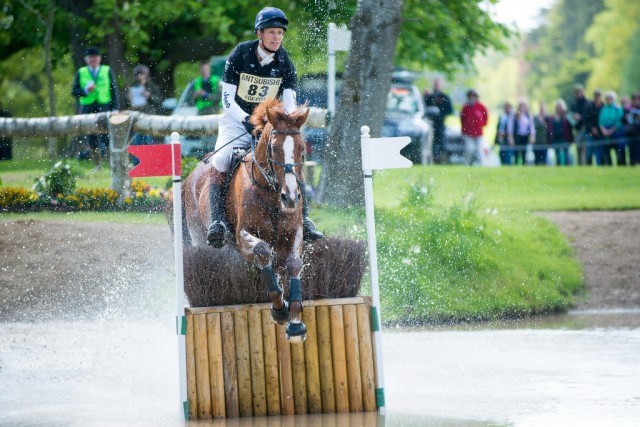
x,y
249,127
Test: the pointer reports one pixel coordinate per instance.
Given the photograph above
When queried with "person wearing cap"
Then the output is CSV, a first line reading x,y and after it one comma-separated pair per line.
x,y
95,88
595,150
255,71
473,118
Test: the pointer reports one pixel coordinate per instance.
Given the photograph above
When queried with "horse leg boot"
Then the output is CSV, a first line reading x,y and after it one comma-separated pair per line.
x,y
296,329
218,228
268,276
309,232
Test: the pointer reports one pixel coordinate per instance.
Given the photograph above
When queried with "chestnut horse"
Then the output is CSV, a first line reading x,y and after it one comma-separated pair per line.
x,y
263,207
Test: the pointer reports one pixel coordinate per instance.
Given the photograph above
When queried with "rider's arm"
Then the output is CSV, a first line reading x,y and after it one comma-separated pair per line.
x,y
289,85
289,100
229,102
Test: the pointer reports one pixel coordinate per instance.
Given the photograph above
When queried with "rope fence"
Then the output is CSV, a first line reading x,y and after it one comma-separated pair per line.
x,y
581,144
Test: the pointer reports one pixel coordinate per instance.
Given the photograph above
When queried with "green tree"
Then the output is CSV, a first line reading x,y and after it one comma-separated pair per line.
x,y
558,54
612,36
439,34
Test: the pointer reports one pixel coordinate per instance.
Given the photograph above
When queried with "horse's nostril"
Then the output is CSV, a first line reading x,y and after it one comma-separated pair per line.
x,y
283,196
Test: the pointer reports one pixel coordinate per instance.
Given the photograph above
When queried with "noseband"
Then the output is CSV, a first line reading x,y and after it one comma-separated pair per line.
x,y
270,175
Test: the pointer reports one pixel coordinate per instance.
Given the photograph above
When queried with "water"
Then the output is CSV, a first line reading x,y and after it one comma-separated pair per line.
x,y
578,369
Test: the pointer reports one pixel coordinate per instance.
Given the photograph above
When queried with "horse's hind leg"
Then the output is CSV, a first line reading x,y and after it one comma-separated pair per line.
x,y
259,251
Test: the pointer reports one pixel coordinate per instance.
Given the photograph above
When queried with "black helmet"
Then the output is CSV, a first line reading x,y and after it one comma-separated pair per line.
x,y
271,17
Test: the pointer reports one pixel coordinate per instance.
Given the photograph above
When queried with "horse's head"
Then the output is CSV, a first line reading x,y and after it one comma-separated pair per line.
x,y
284,148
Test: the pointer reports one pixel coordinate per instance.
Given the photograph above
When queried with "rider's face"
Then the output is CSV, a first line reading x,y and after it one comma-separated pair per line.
x,y
271,38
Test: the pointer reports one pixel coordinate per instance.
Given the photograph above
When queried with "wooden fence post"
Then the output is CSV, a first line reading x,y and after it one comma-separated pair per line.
x,y
119,126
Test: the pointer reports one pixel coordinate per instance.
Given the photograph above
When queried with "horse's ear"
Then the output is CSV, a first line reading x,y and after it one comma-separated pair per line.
x,y
302,117
271,117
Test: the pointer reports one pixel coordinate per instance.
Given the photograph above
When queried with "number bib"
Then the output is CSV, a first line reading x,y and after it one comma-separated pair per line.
x,y
255,89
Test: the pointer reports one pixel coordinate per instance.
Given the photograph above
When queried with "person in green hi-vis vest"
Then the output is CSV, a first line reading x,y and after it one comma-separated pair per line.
x,y
206,91
96,91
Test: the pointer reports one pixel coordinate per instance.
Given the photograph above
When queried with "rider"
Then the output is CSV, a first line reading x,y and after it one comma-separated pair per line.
x,y
255,71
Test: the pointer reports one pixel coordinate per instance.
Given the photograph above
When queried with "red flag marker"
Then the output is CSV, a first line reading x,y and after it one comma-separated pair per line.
x,y
155,160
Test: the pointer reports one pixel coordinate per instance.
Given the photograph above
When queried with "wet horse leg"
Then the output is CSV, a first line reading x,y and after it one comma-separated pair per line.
x,y
259,251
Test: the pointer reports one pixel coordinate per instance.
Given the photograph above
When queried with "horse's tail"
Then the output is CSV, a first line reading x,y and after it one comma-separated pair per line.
x,y
168,211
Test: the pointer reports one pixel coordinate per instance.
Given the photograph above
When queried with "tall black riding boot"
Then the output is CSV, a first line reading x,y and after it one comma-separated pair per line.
x,y
218,227
309,232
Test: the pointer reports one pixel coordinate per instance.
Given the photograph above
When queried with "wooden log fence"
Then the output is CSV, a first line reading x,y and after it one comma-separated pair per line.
x,y
121,126
240,364
148,124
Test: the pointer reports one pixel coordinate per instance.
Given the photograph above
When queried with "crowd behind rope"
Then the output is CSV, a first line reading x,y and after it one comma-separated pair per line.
x,y
601,130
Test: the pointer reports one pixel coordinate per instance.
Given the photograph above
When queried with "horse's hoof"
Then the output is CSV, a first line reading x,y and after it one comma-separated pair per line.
x,y
216,241
281,316
216,235
296,332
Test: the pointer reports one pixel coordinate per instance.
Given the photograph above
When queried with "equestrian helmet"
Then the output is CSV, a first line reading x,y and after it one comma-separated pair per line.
x,y
271,17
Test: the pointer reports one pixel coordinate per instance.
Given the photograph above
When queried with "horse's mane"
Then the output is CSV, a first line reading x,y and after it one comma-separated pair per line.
x,y
276,107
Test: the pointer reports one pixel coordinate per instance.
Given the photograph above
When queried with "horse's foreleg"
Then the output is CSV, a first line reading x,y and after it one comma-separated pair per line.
x,y
260,253
296,329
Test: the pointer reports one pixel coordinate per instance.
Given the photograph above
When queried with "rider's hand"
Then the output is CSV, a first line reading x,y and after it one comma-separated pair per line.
x,y
248,126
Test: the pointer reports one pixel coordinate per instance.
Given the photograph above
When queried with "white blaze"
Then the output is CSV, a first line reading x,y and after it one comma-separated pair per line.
x,y
289,178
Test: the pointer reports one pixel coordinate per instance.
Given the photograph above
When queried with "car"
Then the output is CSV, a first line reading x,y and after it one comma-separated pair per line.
x,y
405,114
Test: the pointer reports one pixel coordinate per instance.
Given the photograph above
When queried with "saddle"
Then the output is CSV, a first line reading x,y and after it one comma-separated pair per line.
x,y
237,156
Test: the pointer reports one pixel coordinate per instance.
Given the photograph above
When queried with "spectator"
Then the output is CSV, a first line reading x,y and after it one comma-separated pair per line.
x,y
633,133
95,88
442,104
473,117
206,90
578,110
522,131
143,95
610,122
559,133
502,137
6,142
540,144
594,136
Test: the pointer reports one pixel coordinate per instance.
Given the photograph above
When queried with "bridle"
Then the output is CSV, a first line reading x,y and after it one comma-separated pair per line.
x,y
270,174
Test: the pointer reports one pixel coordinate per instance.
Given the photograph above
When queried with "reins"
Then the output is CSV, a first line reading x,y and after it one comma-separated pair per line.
x,y
270,175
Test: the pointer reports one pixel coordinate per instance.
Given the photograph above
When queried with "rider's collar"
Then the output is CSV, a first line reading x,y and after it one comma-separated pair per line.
x,y
267,58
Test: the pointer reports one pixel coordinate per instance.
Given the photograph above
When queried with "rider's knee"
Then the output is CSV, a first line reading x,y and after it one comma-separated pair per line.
x,y
220,162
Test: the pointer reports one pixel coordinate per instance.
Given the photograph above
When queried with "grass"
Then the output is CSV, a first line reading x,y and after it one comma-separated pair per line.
x,y
22,173
443,261
519,188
